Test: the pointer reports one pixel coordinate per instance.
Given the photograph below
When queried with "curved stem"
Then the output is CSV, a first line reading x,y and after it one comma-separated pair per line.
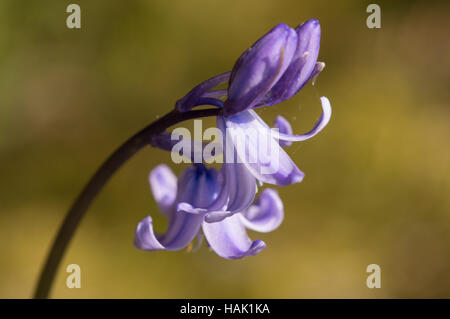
x,y
95,185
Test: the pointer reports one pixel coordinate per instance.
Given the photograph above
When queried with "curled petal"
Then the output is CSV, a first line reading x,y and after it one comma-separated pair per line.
x,y
321,123
229,239
181,231
267,214
163,184
259,68
257,148
284,127
145,238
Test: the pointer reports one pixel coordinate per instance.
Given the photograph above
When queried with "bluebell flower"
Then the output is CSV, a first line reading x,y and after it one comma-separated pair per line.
x,y
203,190
272,70
220,204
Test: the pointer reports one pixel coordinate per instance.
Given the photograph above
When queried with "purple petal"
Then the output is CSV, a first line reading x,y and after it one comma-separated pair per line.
x,y
284,127
163,184
217,210
259,68
256,146
238,188
267,214
229,239
182,227
192,98
199,188
208,195
237,194
242,186
321,123
302,64
187,184
216,94
181,231
207,188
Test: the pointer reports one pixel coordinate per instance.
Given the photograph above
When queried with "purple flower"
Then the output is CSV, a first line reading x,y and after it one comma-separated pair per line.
x,y
219,204
201,189
272,70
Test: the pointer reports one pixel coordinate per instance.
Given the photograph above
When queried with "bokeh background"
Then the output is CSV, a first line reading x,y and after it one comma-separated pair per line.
x,y
377,178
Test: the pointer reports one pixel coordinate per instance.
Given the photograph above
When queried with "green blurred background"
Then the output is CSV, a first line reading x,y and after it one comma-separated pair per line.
x,y
377,178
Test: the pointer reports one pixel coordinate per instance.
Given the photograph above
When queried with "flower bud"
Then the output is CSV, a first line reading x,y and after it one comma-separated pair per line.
x,y
259,68
301,67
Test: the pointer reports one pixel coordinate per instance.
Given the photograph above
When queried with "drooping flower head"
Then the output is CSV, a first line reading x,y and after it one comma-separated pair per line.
x,y
219,204
272,70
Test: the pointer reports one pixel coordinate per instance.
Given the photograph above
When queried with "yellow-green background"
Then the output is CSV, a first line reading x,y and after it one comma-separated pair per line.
x,y
377,178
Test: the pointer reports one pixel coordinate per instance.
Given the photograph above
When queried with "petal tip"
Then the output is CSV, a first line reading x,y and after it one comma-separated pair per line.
x,y
256,247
